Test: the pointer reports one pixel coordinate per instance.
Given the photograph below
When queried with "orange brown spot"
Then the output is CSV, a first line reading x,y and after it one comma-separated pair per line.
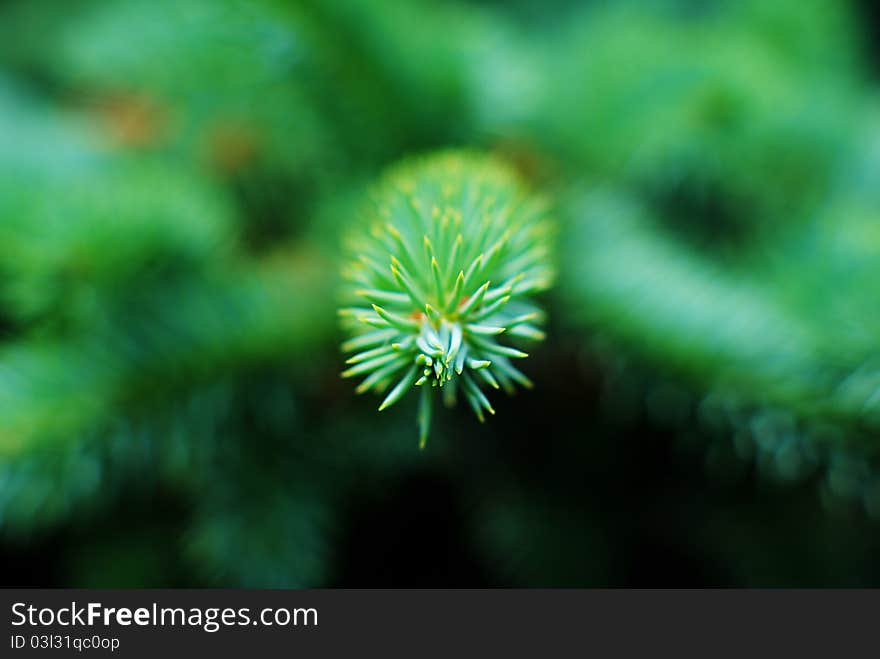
x,y
232,147
133,119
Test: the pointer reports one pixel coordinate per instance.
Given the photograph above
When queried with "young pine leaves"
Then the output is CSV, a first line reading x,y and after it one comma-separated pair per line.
x,y
440,275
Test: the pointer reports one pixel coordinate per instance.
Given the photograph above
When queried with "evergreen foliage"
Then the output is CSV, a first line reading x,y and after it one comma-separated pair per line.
x,y
182,181
449,252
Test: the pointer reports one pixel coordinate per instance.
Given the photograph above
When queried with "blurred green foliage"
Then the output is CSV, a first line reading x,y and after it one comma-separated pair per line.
x,y
174,177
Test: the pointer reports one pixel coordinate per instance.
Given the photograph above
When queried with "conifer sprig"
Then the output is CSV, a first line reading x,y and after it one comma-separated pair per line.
x,y
439,282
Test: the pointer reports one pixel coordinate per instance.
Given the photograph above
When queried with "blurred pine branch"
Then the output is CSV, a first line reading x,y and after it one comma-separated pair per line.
x,y
174,177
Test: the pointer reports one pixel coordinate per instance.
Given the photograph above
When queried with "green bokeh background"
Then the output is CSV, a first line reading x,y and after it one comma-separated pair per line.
x,y
174,179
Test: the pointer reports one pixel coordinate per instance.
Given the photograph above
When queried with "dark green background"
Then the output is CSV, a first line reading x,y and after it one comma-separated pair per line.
x,y
174,179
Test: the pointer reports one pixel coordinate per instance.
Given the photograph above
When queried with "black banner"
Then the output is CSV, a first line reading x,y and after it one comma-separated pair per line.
x,y
392,623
